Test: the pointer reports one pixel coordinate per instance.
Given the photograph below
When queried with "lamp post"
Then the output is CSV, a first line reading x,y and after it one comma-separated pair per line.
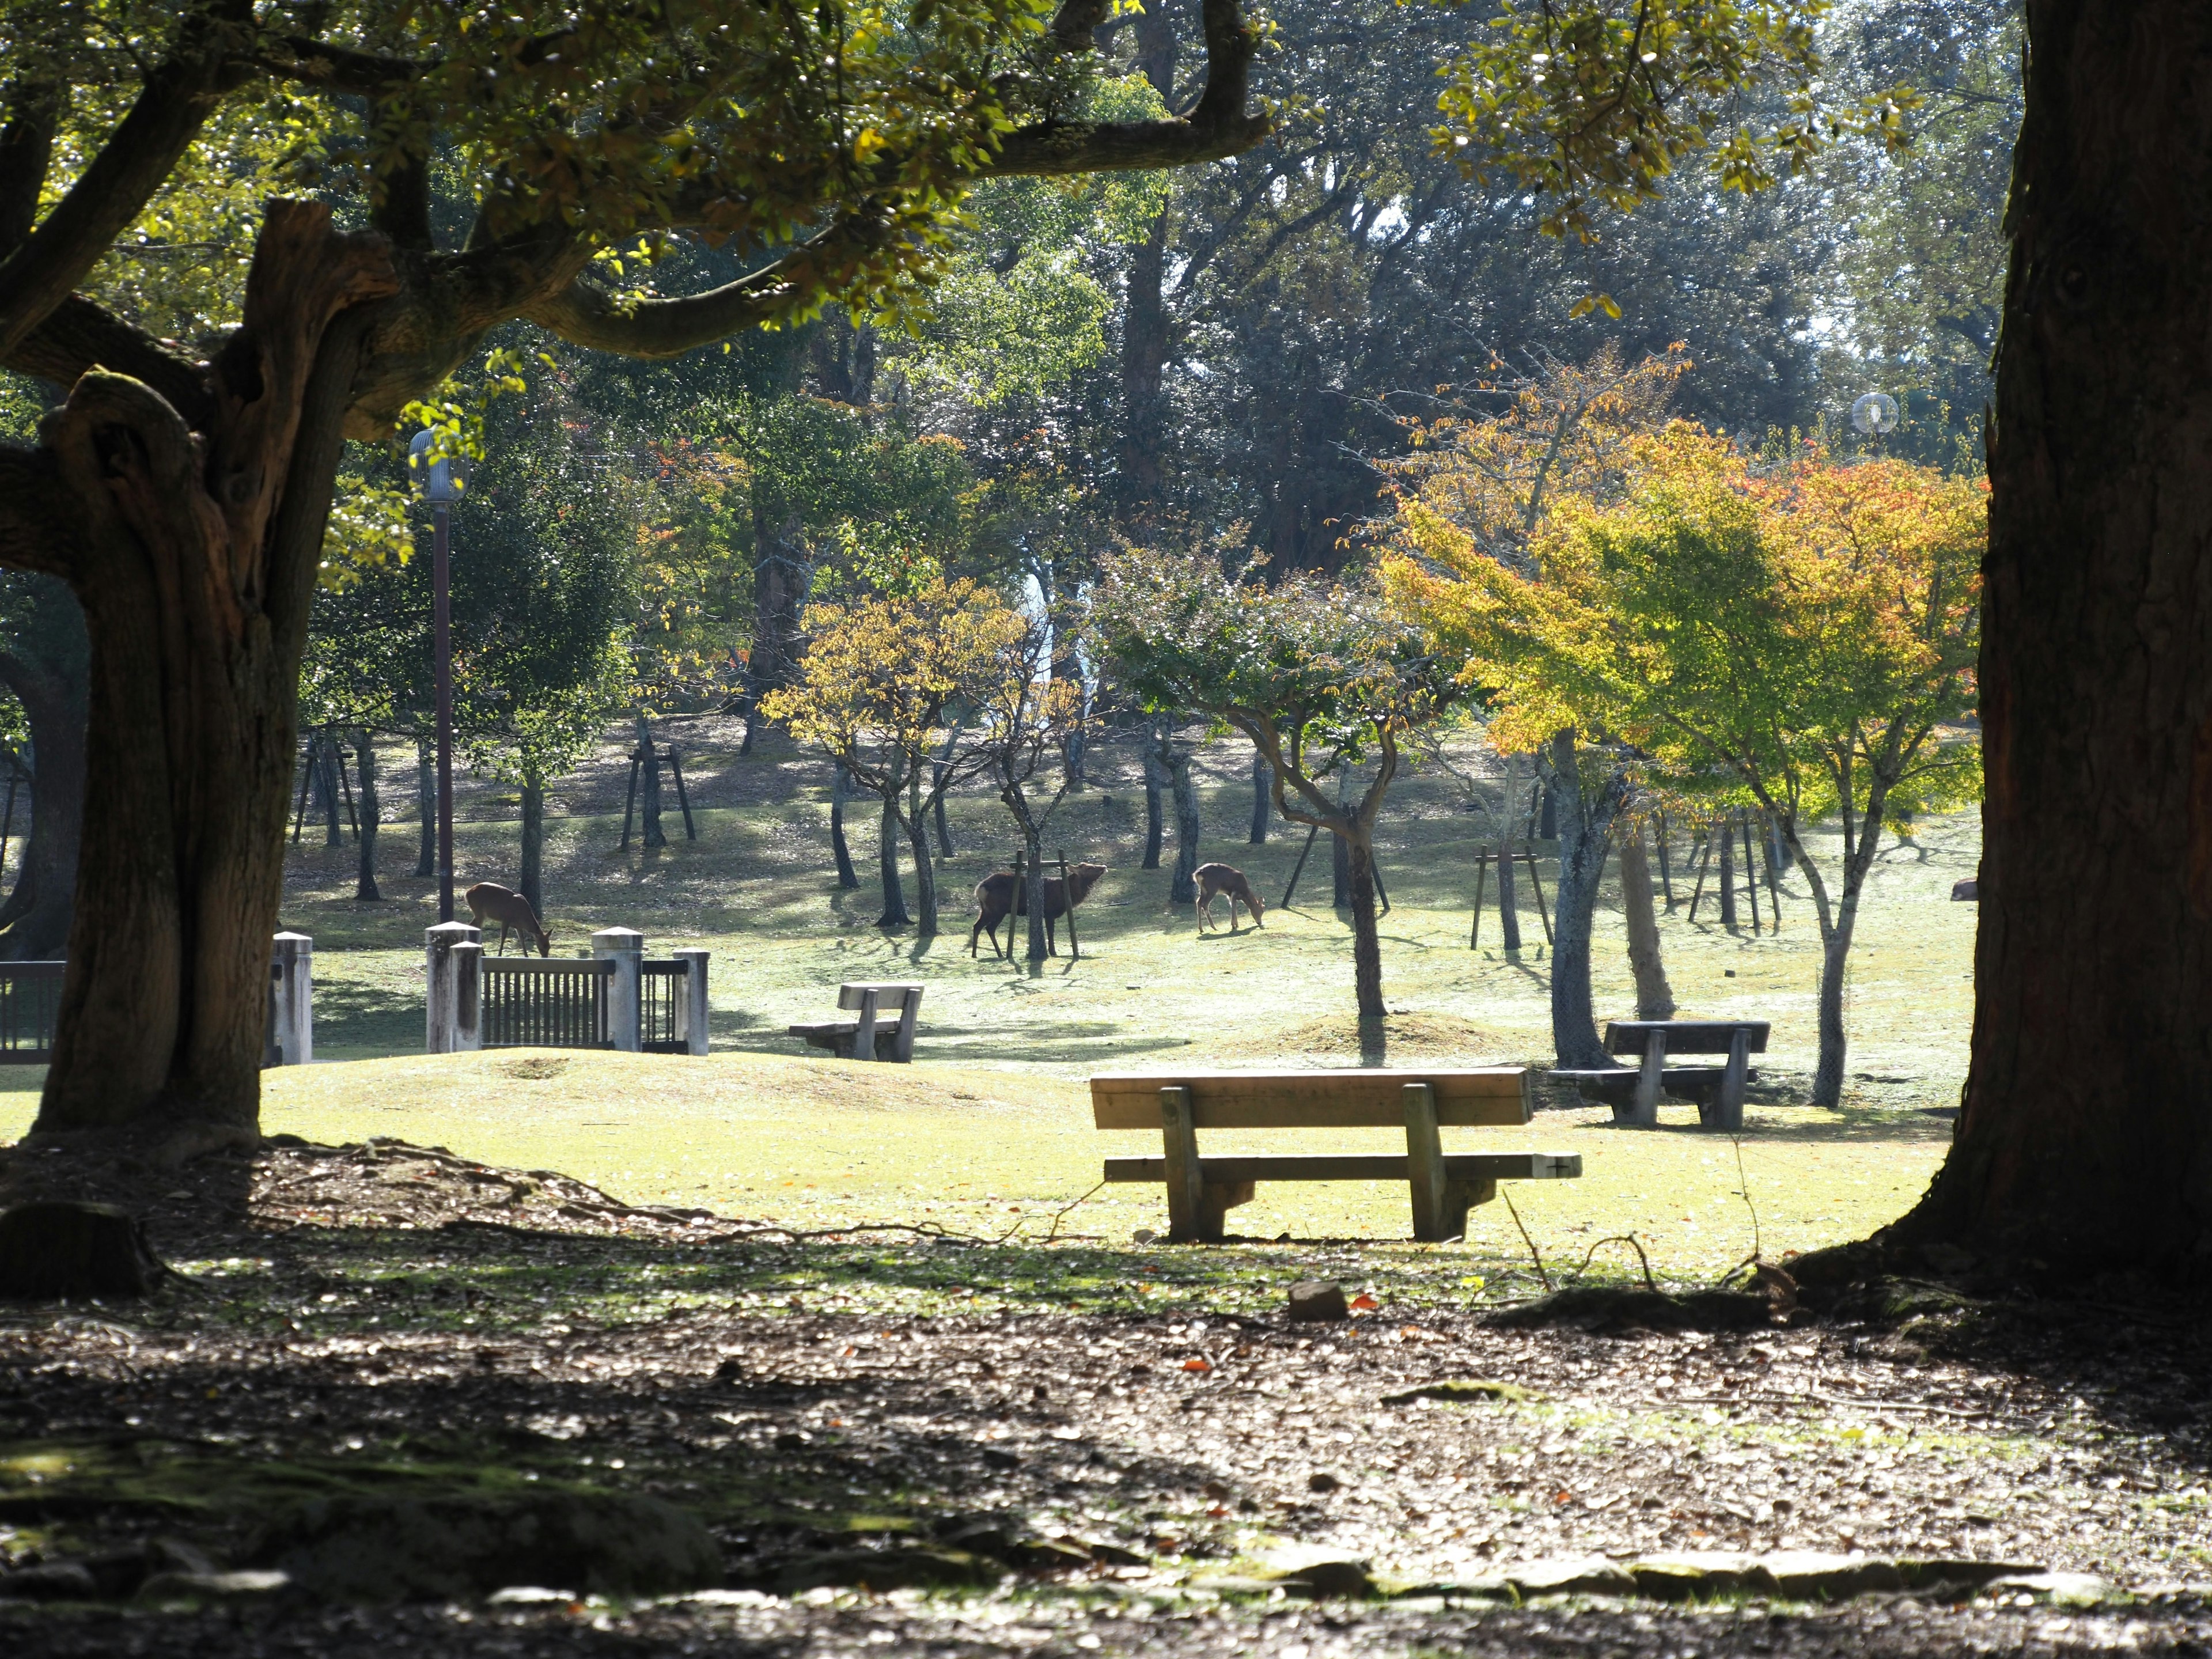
x,y
441,488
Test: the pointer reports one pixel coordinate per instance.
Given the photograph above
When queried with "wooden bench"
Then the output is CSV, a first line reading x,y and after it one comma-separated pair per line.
x,y
870,1037
1443,1186
1633,1090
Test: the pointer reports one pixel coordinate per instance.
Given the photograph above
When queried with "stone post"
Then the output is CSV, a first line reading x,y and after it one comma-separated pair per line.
x,y
292,997
441,976
468,997
625,948
691,1011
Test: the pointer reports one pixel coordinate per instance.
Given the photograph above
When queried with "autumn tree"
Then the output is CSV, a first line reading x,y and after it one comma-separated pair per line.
x,y
1030,727
1485,484
1319,676
1805,633
877,687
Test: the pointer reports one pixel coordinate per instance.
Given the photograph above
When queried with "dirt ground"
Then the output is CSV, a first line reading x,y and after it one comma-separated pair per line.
x,y
1072,1466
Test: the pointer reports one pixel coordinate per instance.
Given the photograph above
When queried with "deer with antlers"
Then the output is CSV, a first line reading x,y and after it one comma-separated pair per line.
x,y
511,911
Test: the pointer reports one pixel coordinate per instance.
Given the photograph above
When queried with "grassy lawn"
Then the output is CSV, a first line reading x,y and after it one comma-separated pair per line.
x,y
990,1127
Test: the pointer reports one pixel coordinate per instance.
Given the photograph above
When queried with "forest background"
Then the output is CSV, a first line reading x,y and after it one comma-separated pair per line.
x,y
1241,355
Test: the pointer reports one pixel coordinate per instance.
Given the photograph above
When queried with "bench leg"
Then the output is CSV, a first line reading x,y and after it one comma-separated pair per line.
x,y
1425,1162
1643,1110
864,1031
1215,1198
1187,1203
1460,1197
1727,1107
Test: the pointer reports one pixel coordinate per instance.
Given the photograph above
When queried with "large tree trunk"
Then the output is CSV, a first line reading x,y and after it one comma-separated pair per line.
x,y
49,677
1366,943
779,592
916,826
531,880
1655,998
194,556
371,818
1584,822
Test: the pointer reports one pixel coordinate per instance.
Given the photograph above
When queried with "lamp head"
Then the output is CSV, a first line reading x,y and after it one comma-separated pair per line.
x,y
441,479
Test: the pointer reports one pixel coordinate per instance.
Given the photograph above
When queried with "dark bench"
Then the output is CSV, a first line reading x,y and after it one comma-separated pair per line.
x,y
868,1036
1443,1185
1632,1091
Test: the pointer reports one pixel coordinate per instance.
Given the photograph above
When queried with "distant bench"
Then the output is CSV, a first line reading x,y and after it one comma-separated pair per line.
x,y
869,1036
1633,1090
1443,1186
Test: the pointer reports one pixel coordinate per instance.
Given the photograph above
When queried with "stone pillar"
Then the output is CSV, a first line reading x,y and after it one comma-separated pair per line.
x,y
625,948
441,996
691,1008
292,998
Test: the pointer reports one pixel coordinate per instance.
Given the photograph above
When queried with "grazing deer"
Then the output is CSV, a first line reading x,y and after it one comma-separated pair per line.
x,y
997,898
510,910
1215,879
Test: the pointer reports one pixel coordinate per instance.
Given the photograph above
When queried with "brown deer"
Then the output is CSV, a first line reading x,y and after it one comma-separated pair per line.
x,y
996,897
1215,879
510,910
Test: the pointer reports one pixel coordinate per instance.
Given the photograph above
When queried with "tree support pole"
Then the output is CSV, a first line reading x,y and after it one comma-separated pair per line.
x,y
1067,898
1704,858
1481,882
630,802
1297,869
1750,875
683,800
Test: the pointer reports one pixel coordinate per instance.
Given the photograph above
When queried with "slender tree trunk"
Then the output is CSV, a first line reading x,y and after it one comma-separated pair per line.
x,y
1655,998
372,818
937,808
328,752
194,555
1263,785
1154,828
53,687
1033,890
925,875
1584,822
649,788
532,878
1182,884
840,792
1509,911
887,843
426,808
1835,964
916,824
1366,943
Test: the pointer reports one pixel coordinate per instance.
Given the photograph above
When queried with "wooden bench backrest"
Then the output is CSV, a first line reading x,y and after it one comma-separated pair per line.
x,y
1345,1099
889,998
1628,1036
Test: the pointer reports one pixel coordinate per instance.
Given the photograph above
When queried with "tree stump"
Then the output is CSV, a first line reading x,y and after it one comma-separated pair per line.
x,y
51,1249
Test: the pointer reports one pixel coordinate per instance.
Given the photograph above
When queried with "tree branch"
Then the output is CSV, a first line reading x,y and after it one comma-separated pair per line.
x,y
341,69
137,159
1215,126
27,148
78,335
587,316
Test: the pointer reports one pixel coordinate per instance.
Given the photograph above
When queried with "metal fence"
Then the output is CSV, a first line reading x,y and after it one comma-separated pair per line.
x,y
660,1008
548,1003
30,998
